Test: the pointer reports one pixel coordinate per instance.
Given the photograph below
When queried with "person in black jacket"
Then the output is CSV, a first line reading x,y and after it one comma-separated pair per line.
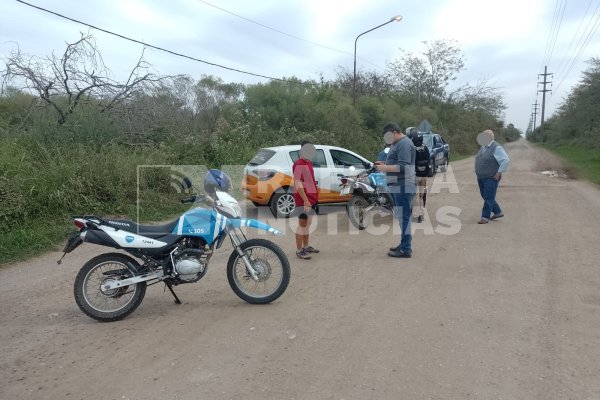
x,y
422,170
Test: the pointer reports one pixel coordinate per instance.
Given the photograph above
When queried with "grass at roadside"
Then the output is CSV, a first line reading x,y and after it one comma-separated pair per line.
x,y
585,162
458,157
29,240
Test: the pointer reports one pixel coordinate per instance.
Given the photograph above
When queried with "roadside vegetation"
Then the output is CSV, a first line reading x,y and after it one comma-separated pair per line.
x,y
573,132
72,141
582,162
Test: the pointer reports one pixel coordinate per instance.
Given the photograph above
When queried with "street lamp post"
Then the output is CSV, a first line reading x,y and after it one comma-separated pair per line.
x,y
397,18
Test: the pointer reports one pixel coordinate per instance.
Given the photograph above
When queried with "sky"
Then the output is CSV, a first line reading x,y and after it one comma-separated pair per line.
x,y
507,43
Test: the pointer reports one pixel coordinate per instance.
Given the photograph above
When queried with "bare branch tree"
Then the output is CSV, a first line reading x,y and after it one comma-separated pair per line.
x,y
79,75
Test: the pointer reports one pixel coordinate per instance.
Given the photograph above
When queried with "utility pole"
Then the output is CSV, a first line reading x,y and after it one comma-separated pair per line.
x,y
535,111
544,90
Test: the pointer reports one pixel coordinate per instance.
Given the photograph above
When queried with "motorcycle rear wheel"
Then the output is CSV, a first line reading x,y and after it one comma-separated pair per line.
x,y
108,305
271,265
356,212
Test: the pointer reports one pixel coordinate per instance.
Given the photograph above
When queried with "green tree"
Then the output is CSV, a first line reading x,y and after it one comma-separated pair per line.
x,y
426,77
576,121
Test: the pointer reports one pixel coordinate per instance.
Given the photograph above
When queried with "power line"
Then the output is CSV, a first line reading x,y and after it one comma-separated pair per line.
x,y
284,33
562,14
272,29
583,46
552,29
157,47
559,69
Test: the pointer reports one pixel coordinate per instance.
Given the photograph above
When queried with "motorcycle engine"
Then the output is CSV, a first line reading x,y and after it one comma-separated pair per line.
x,y
189,267
382,200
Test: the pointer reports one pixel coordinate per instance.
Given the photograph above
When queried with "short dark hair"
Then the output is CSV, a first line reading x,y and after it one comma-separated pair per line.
x,y
391,126
302,143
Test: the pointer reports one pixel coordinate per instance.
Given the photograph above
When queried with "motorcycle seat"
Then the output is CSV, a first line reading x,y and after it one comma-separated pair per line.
x,y
152,231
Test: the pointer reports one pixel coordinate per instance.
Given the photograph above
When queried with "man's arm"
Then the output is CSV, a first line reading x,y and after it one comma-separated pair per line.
x,y
404,157
502,158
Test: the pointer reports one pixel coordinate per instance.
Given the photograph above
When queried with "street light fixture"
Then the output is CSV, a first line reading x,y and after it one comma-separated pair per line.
x,y
397,18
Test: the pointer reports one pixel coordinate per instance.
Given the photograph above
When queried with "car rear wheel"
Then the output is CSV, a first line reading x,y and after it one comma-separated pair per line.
x,y
282,204
444,166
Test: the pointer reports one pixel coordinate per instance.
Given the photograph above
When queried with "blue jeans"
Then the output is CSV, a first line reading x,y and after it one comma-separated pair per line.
x,y
403,210
488,188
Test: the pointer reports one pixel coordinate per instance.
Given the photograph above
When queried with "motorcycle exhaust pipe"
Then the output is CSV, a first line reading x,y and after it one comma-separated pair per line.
x,y
99,237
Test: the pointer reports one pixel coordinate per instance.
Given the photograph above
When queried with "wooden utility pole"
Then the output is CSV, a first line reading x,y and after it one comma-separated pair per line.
x,y
544,90
535,111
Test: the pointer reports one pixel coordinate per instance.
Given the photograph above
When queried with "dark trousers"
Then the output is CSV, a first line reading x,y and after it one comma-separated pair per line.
x,y
403,211
488,188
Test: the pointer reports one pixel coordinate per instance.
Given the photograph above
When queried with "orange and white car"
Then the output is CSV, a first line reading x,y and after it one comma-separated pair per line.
x,y
268,178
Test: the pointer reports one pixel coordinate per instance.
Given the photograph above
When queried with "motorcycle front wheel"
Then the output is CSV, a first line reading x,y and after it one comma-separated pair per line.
x,y
272,268
113,304
356,212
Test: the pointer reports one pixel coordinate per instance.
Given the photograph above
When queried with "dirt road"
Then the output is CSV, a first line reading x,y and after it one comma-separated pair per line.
x,y
507,310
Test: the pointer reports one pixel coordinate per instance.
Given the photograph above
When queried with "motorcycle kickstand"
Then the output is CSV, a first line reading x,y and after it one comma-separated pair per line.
x,y
177,301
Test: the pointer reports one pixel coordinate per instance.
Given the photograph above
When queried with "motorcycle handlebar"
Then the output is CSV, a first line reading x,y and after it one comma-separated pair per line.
x,y
191,199
360,175
198,198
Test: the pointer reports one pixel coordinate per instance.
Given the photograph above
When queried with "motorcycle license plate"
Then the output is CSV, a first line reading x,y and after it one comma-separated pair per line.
x,y
345,190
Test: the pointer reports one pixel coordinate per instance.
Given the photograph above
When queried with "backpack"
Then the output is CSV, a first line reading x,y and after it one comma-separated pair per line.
x,y
421,160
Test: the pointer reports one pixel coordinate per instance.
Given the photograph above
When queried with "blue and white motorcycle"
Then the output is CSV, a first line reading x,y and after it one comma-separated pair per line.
x,y
112,285
369,192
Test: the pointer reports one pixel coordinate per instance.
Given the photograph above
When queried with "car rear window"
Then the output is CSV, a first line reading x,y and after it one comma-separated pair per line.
x,y
428,141
318,160
262,157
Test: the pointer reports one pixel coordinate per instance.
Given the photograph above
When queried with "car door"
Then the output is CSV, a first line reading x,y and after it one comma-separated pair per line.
x,y
320,168
439,151
341,161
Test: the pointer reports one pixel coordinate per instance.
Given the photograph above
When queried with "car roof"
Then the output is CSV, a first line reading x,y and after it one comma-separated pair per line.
x,y
293,147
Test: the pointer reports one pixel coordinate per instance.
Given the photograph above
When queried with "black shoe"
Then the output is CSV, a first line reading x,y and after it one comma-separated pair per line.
x,y
399,254
395,248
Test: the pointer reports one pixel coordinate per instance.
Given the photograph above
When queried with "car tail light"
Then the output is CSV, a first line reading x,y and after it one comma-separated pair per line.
x,y
264,174
79,224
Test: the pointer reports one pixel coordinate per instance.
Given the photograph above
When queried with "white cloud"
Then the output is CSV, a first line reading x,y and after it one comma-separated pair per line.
x,y
476,22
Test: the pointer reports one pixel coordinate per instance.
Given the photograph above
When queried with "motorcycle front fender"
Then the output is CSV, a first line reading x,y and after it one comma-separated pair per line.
x,y
364,187
253,223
